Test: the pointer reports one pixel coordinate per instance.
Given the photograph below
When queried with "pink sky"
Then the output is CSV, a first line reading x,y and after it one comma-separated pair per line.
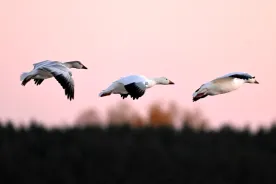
x,y
190,42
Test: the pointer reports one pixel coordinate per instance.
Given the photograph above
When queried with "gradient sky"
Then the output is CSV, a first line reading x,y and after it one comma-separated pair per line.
x,y
190,42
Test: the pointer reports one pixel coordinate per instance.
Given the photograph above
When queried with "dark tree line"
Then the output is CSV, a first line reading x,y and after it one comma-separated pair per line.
x,y
125,155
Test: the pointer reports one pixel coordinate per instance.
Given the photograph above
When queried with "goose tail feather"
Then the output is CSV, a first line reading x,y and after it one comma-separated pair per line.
x,y
104,93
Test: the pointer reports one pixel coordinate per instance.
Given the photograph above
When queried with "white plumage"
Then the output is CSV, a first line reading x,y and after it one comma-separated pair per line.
x,y
48,69
133,85
224,84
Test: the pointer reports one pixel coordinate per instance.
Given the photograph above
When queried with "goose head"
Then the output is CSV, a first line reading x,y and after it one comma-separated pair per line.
x,y
252,80
163,81
75,64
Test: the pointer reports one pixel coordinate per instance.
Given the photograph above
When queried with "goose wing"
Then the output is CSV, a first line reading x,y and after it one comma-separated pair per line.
x,y
43,63
238,75
63,75
132,78
135,85
136,89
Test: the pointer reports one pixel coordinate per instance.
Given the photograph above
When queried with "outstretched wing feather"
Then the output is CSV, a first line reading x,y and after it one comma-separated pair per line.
x,y
136,90
239,75
63,75
43,63
132,79
38,81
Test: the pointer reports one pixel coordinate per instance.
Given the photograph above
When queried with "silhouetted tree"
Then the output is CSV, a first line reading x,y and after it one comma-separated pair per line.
x,y
124,154
159,114
121,113
89,117
194,119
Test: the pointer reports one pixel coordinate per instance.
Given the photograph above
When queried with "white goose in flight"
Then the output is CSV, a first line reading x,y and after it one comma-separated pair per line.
x,y
224,84
133,85
60,70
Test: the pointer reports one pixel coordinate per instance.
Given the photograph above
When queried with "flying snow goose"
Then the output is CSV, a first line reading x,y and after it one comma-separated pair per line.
x,y
133,85
60,70
224,84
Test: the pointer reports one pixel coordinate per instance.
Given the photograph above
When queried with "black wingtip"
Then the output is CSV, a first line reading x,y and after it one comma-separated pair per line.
x,y
124,96
69,89
38,81
134,91
26,80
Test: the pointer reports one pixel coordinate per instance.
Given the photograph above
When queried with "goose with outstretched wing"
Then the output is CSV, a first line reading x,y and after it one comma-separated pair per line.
x,y
224,84
133,85
59,70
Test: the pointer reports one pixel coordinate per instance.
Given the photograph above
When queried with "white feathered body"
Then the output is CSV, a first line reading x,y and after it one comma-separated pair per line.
x,y
226,86
59,70
117,87
38,73
223,84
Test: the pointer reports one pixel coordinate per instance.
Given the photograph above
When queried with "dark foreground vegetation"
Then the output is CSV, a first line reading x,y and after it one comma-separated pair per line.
x,y
125,155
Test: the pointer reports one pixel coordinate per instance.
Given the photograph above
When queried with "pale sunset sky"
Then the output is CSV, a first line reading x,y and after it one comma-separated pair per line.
x,y
190,42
